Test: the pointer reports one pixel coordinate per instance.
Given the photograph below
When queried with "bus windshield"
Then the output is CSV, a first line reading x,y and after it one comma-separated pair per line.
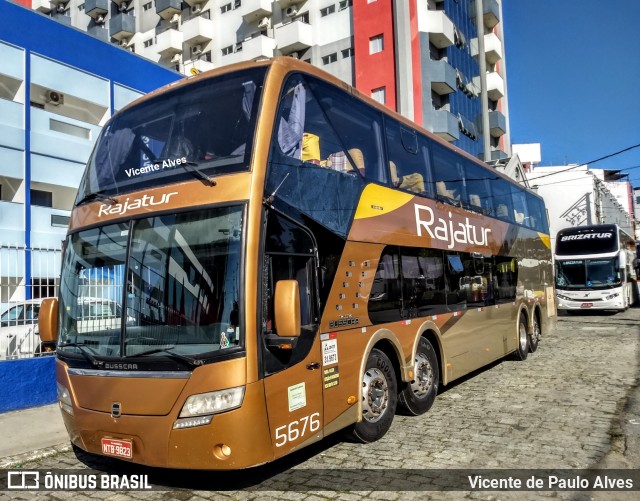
x,y
178,276
588,273
205,128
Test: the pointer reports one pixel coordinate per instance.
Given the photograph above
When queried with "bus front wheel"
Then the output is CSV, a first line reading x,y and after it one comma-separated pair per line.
x,y
418,395
522,349
379,398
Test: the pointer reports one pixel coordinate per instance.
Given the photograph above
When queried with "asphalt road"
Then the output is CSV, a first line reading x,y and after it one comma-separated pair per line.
x,y
572,406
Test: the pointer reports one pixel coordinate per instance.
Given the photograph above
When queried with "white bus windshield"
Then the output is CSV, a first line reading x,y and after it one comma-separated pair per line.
x,y
588,274
205,128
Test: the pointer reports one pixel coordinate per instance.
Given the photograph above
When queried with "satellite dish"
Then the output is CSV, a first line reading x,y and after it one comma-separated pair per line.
x,y
195,71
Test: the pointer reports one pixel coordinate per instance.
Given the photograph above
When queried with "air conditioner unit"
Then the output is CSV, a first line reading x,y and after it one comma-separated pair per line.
x,y
124,42
175,58
196,49
54,98
123,6
175,18
291,11
263,23
61,8
100,19
196,9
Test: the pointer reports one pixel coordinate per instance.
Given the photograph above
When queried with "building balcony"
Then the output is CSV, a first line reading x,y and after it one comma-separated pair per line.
x,y
43,6
287,3
11,125
294,36
199,65
258,47
99,31
12,223
490,13
498,155
492,48
167,8
198,30
439,27
45,234
61,17
497,124
445,125
252,10
495,86
443,77
96,8
169,42
122,26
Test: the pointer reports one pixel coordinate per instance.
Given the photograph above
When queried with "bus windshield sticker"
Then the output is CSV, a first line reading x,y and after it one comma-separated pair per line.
x,y
297,396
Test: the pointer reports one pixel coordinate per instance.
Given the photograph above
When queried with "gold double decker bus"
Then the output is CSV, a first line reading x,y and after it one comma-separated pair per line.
x,y
282,258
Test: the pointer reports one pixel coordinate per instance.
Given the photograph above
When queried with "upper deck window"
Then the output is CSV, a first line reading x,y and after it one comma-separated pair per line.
x,y
206,126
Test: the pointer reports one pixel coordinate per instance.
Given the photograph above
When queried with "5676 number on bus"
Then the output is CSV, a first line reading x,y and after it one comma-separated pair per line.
x,y
296,429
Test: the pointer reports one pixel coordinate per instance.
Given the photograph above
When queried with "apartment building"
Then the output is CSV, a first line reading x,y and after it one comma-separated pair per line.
x,y
54,98
438,62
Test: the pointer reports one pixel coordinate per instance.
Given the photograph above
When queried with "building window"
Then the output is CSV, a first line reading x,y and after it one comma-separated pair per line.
x,y
379,94
81,6
72,130
347,52
331,58
227,50
147,6
237,4
42,198
327,10
376,44
239,47
225,8
344,4
148,43
59,221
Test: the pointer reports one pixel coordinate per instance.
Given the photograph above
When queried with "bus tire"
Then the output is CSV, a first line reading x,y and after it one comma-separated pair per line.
x,y
534,338
418,395
379,398
522,349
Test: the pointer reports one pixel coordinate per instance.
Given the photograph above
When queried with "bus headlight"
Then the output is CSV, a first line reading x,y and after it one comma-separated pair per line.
x,y
611,296
213,402
64,399
564,298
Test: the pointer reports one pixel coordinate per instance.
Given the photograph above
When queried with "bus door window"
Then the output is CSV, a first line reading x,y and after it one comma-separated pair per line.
x,y
385,299
457,281
408,156
477,279
423,282
289,255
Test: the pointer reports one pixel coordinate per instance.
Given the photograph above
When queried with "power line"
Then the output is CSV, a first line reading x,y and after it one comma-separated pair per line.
x,y
534,184
592,161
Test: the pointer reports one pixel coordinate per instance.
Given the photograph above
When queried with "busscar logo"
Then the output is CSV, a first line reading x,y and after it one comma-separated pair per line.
x,y
23,480
132,204
120,367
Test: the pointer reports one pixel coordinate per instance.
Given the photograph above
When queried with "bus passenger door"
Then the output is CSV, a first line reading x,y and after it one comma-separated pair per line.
x,y
292,361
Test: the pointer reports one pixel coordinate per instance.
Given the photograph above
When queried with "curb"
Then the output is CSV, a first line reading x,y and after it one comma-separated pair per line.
x,y
19,460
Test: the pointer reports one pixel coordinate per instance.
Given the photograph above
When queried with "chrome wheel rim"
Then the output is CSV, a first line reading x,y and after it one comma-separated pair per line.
x,y
523,337
423,376
375,395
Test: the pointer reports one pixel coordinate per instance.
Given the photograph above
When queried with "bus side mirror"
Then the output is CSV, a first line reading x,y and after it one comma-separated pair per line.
x,y
287,308
48,320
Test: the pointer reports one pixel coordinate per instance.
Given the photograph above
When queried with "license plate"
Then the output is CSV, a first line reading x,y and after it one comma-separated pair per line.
x,y
117,448
586,305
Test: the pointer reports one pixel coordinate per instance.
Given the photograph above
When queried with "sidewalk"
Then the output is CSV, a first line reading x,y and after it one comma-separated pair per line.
x,y
31,433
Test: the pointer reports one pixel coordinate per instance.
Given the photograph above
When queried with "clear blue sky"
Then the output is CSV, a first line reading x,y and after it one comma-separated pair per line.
x,y
573,79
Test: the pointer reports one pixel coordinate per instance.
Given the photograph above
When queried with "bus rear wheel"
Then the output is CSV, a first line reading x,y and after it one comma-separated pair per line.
x,y
522,349
379,398
534,338
418,395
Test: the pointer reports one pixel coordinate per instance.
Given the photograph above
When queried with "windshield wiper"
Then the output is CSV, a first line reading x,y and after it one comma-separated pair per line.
x,y
84,349
191,168
176,356
98,195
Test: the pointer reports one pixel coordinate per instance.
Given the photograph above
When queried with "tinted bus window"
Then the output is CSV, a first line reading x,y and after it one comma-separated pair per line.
x,y
448,175
502,201
385,299
478,185
408,154
520,210
424,290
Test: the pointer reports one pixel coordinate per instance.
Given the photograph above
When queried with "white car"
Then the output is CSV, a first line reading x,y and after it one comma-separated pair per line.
x,y
19,331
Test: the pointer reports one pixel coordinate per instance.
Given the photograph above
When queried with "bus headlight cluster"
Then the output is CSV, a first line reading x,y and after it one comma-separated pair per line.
x,y
64,399
213,402
611,296
564,298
